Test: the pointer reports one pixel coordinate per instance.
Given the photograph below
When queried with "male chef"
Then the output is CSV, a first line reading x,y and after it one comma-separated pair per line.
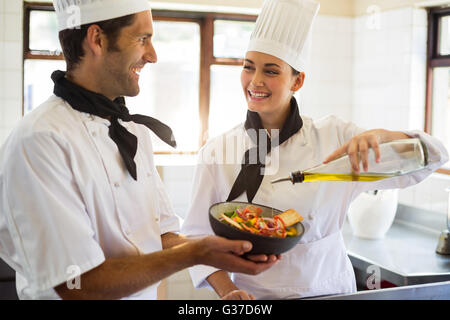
x,y
79,193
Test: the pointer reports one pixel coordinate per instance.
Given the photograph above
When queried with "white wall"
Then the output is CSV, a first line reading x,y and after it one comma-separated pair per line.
x,y
389,69
10,65
328,84
389,85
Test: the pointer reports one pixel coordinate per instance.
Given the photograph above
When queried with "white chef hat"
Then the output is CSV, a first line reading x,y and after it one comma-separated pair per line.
x,y
283,30
74,13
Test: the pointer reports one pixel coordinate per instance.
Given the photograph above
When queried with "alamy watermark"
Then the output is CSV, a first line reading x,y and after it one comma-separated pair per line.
x,y
74,277
229,149
70,14
74,18
374,279
373,21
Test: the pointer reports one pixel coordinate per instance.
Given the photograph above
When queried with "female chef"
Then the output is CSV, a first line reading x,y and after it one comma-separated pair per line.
x,y
271,74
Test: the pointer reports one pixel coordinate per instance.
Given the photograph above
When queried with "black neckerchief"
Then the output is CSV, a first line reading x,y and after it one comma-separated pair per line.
x,y
250,176
96,104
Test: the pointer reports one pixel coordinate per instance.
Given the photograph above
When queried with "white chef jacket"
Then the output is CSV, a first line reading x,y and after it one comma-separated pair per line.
x,y
318,264
67,202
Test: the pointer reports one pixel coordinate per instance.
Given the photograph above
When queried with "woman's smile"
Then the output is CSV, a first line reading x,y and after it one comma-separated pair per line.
x,y
258,95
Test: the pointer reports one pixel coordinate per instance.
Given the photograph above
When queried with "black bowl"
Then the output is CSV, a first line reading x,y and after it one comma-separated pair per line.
x,y
261,244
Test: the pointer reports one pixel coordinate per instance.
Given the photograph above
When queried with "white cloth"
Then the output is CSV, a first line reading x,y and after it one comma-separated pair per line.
x,y
74,13
283,29
318,265
66,199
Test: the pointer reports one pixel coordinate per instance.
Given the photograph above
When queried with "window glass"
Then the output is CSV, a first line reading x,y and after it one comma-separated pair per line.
x,y
441,105
170,88
228,107
231,38
444,41
38,86
44,31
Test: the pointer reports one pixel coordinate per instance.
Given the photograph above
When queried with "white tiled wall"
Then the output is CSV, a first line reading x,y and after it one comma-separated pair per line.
x,y
178,180
328,84
11,27
430,194
386,83
389,77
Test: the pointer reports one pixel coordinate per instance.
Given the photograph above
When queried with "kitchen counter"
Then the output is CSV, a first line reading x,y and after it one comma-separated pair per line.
x,y
429,291
406,256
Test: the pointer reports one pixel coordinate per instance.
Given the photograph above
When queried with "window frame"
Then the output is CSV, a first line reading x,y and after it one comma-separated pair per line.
x,y
434,60
27,52
207,59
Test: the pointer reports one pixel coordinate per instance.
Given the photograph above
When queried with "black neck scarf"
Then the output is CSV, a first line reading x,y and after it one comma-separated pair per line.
x,y
96,104
250,176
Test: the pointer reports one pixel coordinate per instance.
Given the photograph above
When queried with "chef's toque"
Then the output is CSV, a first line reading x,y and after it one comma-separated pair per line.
x,y
283,30
74,13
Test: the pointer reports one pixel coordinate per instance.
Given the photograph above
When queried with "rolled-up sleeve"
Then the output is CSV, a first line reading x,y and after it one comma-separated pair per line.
x,y
45,223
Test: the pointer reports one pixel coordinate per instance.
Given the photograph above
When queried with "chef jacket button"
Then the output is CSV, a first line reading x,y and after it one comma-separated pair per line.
x,y
116,184
156,219
148,174
311,217
94,134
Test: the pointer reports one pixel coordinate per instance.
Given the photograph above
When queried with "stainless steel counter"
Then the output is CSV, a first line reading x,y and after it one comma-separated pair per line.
x,y
430,291
406,256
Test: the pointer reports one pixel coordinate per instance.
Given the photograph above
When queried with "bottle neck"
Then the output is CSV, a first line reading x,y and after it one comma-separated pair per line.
x,y
297,177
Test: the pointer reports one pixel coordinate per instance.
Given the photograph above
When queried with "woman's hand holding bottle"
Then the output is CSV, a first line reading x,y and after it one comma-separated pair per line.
x,y
357,148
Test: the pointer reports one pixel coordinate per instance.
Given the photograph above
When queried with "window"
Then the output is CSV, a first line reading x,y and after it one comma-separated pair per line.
x,y
194,88
169,88
437,117
228,106
231,38
227,102
42,55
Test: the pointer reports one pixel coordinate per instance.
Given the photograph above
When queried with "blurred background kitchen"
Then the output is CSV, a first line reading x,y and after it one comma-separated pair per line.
x,y
378,63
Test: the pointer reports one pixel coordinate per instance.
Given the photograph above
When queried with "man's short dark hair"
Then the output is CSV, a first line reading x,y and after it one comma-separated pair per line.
x,y
72,39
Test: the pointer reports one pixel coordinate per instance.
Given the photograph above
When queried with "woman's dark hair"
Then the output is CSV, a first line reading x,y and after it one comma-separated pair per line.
x,y
72,39
295,72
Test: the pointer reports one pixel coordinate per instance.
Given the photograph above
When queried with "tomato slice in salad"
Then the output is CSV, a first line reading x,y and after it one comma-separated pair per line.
x,y
249,219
